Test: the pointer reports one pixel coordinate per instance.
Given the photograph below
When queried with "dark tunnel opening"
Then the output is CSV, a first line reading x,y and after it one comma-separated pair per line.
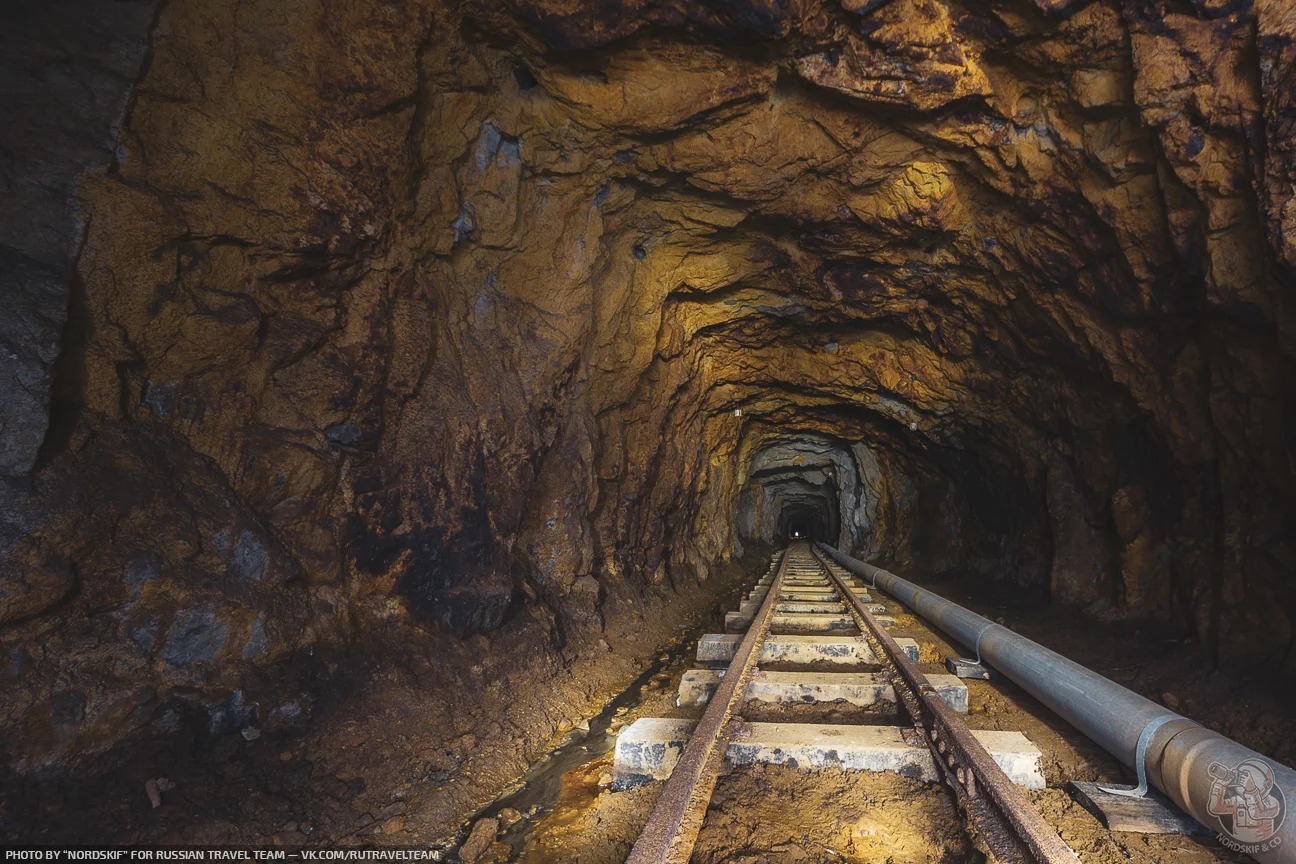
x,y
414,400
806,522
804,486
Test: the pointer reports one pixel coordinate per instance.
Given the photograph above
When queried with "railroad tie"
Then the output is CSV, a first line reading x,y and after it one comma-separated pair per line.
x,y
810,634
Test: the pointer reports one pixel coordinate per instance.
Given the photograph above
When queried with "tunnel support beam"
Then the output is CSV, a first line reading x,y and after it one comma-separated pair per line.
x,y
1195,767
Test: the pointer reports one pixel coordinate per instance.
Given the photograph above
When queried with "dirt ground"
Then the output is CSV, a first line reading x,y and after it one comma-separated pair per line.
x,y
767,814
388,764
400,749
772,814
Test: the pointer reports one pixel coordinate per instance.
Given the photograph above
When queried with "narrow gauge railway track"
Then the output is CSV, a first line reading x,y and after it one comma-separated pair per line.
x,y
805,590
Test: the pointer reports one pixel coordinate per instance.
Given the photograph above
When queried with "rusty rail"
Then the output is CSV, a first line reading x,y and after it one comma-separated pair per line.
x,y
676,818
1180,757
1009,825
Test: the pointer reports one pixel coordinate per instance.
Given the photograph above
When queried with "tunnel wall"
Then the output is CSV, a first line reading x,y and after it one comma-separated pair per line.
x,y
433,321
812,470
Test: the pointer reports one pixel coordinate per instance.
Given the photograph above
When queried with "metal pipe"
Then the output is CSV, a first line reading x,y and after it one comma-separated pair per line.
x,y
1225,786
1011,827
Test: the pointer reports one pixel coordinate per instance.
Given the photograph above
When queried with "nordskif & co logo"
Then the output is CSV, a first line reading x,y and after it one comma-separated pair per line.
x,y
1249,805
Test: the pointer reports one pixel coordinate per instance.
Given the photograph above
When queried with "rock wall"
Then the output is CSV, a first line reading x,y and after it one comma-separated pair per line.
x,y
445,318
68,69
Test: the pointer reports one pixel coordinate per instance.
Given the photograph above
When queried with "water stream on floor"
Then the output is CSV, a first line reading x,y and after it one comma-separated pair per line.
x,y
538,791
542,785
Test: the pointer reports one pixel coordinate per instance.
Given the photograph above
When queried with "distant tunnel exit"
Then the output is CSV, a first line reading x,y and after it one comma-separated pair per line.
x,y
808,521
804,486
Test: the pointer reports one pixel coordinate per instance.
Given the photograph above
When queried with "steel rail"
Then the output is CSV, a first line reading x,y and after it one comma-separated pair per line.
x,y
1009,825
676,818
1195,767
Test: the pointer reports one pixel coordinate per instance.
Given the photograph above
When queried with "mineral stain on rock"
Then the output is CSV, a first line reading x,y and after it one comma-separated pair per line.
x,y
473,340
195,635
248,558
256,642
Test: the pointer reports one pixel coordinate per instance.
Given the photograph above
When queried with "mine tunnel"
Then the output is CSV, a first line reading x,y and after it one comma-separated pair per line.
x,y
529,430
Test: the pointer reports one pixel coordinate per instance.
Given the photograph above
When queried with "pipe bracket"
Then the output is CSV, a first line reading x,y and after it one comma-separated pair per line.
x,y
977,646
1140,758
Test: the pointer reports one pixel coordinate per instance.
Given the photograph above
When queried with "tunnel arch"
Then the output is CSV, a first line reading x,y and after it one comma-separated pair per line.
x,y
810,481
805,521
560,340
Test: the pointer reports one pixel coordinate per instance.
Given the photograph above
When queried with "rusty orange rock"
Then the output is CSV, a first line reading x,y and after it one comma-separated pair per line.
x,y
442,325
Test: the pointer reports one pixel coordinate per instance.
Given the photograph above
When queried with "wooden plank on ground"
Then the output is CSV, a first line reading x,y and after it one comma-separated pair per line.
x,y
1153,814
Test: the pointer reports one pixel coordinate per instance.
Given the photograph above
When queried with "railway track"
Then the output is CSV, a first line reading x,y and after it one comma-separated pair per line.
x,y
809,613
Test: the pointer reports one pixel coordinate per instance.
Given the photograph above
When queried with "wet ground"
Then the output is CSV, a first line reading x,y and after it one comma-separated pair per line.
x,y
399,749
772,814
374,769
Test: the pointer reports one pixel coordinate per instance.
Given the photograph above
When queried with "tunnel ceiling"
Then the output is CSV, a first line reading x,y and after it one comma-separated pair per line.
x,y
454,316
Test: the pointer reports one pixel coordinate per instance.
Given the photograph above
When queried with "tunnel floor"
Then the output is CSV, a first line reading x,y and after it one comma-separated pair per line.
x,y
768,814
365,776
386,388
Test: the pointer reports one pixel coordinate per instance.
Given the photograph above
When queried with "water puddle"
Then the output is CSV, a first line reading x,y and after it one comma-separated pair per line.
x,y
538,792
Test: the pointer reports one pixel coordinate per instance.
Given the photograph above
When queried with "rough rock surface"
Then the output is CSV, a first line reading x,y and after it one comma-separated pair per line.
x,y
441,319
68,69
